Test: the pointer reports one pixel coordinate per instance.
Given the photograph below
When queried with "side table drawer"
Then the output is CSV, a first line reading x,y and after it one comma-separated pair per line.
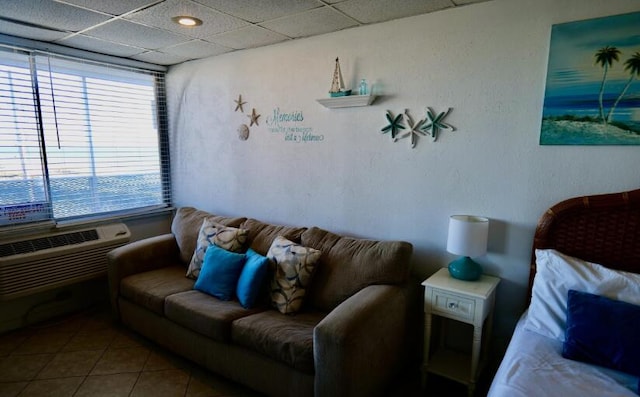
x,y
452,306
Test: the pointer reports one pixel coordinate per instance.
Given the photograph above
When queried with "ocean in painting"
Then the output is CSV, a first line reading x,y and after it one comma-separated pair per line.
x,y
571,111
575,120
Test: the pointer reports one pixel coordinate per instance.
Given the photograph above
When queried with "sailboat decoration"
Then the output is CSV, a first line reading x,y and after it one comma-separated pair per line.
x,y
337,84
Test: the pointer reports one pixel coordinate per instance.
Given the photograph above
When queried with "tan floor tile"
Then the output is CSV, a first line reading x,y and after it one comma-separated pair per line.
x,y
44,343
10,342
161,360
16,368
116,385
11,389
115,361
69,364
61,387
167,383
207,384
124,339
98,340
97,322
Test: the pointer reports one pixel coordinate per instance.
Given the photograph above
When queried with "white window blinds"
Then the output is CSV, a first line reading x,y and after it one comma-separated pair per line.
x,y
90,140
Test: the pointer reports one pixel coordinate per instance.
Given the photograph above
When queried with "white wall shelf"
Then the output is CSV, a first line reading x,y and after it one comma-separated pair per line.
x,y
347,101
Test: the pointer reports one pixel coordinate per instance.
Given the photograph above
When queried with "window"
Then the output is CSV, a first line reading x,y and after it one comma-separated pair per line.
x,y
79,139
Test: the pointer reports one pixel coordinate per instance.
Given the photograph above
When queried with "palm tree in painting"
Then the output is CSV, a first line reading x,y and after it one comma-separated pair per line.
x,y
632,65
605,57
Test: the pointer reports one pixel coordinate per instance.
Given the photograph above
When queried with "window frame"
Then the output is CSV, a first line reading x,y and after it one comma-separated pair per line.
x,y
160,119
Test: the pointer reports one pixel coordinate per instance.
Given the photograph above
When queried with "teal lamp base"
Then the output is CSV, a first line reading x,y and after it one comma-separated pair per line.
x,y
465,268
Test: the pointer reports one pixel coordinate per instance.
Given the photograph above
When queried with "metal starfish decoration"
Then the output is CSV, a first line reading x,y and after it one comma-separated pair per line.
x,y
239,104
395,125
435,123
414,129
254,117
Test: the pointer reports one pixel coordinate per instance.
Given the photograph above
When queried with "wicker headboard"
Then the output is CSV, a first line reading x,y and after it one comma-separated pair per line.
x,y
603,228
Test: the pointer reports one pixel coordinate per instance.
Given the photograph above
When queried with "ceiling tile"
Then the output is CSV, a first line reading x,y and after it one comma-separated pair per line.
x,y
212,22
27,32
309,23
160,58
100,46
249,37
372,11
129,33
261,10
50,14
196,49
113,7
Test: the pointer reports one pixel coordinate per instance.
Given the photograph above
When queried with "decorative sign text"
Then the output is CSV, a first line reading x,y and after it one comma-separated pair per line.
x,y
290,126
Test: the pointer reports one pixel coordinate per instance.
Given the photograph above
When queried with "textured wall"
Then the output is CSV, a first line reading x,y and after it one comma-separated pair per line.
x,y
487,61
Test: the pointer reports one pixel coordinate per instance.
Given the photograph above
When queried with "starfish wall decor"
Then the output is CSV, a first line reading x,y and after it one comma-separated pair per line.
x,y
434,123
254,117
239,104
414,129
395,125
430,125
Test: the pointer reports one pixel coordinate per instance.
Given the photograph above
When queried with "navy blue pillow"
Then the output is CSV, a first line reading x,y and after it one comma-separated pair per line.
x,y
220,272
252,278
603,331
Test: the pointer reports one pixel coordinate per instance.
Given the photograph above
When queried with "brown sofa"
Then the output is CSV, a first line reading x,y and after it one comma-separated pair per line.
x,y
350,339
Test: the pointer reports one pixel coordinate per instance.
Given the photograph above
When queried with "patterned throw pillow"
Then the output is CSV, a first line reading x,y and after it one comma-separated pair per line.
x,y
294,266
226,237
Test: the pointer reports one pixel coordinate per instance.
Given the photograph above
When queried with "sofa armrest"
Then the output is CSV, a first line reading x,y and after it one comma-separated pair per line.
x,y
360,345
137,257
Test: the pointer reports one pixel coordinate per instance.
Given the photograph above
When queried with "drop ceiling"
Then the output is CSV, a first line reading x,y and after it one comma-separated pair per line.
x,y
143,30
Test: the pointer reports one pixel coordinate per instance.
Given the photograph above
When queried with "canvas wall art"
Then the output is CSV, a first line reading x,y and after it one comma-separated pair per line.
x,y
592,95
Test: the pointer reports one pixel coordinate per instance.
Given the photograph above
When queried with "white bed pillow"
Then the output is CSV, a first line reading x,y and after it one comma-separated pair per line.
x,y
556,274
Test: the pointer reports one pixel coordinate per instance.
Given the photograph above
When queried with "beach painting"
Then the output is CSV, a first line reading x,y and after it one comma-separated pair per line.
x,y
592,95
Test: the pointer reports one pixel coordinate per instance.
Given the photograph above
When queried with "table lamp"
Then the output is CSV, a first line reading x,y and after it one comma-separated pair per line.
x,y
468,236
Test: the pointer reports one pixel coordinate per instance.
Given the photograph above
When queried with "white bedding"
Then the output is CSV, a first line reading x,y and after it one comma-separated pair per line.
x,y
533,366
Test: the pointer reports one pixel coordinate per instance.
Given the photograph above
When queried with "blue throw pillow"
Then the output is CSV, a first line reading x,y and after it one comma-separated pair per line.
x,y
602,331
252,278
220,272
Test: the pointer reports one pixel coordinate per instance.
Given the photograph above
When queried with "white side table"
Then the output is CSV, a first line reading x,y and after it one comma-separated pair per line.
x,y
470,302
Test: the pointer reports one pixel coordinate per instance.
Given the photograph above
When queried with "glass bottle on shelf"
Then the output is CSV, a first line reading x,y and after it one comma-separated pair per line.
x,y
362,88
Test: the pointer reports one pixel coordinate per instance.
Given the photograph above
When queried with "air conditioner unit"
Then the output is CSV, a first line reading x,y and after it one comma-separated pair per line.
x,y
38,263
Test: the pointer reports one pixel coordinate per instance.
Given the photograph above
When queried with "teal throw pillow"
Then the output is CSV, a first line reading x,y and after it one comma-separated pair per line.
x,y
220,272
252,279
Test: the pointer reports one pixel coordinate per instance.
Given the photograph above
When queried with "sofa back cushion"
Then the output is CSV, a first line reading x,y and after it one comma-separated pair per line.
x,y
186,225
348,264
261,235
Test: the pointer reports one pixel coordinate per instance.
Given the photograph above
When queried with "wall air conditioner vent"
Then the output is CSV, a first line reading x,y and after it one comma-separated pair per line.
x,y
43,243
43,262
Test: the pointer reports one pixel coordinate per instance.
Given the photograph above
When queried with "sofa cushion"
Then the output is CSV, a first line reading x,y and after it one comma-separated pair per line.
x,y
293,268
204,313
261,235
348,264
186,224
149,289
212,233
288,339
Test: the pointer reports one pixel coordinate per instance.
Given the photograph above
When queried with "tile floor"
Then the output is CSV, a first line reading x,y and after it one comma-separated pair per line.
x,y
86,354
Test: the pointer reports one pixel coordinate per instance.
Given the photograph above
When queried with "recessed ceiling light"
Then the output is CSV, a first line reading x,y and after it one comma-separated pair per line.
x,y
187,21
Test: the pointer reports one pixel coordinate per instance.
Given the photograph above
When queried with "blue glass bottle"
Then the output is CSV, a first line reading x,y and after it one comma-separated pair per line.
x,y
362,88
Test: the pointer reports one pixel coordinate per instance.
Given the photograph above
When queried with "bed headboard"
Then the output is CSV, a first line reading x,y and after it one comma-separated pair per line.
x,y
603,228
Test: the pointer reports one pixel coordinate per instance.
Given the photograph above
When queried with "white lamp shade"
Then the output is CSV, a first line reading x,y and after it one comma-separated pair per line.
x,y
468,235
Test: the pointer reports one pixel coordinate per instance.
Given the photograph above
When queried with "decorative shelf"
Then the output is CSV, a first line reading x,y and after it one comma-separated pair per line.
x,y
347,101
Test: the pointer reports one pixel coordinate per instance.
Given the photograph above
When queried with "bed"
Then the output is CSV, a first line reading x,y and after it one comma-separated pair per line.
x,y
590,246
